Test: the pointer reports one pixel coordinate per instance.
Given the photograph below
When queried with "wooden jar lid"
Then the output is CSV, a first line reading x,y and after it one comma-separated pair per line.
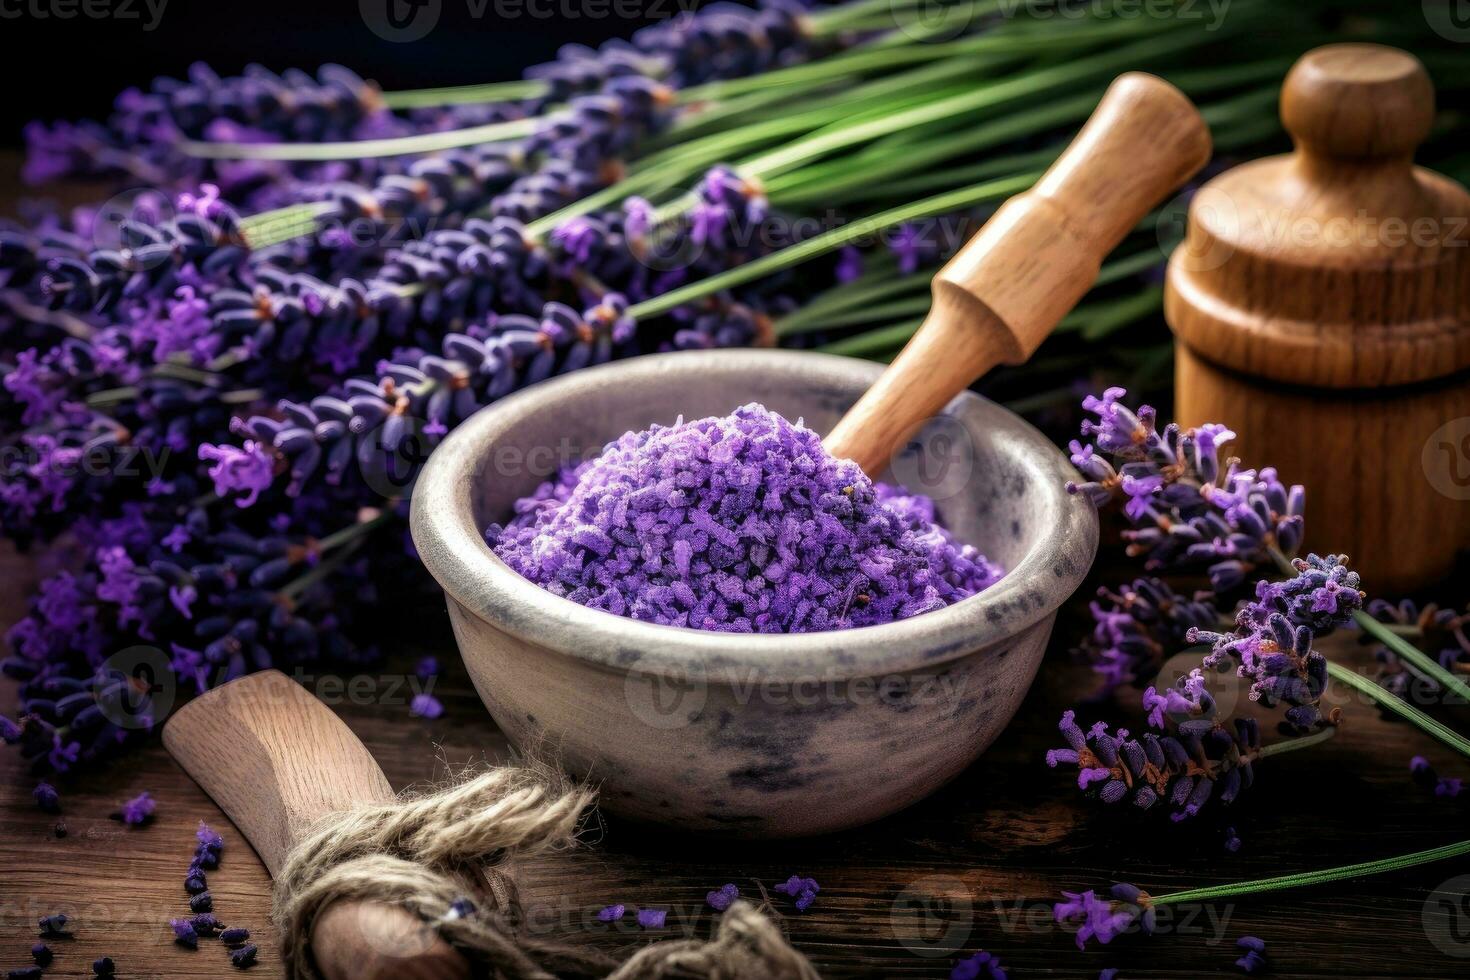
x,y
1342,264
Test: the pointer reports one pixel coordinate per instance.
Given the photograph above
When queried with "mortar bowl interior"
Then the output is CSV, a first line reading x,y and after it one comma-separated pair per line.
x,y
754,736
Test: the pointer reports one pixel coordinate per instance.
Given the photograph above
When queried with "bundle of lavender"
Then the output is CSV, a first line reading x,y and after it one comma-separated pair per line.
x,y
221,391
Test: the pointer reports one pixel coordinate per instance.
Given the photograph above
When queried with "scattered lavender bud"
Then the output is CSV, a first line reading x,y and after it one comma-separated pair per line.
x,y
203,902
211,846
1253,960
1444,787
42,954
137,811
720,898
427,667
244,957
205,924
425,705
46,797
611,913
1232,840
103,966
196,882
804,890
25,973
184,933
1105,919
978,966
1111,973
235,936
652,918
54,926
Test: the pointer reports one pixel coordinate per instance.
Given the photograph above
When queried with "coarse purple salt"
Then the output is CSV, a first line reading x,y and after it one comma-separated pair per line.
x,y
737,524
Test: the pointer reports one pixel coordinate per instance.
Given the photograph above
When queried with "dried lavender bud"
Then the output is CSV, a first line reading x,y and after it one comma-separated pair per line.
x,y
425,705
46,797
1253,959
25,973
1139,626
804,890
195,882
54,926
203,902
721,898
1105,919
235,936
1232,840
184,933
978,966
205,924
1444,787
652,918
137,811
42,954
611,913
244,957
737,524
211,846
103,967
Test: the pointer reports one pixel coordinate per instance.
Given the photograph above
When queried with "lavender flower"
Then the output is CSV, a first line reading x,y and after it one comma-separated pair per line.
x,y
205,924
138,810
47,798
202,902
235,936
977,966
244,957
1444,787
1204,760
1253,959
1139,626
611,913
1104,919
652,918
804,890
425,705
721,898
54,926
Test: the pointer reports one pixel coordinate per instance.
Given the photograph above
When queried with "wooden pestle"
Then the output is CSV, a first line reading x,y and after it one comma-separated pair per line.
x,y
998,299
276,760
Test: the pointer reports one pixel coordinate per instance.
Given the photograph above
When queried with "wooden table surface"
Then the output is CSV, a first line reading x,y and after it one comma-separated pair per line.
x,y
976,866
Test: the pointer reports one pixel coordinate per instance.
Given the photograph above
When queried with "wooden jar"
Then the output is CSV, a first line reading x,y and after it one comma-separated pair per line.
x,y
1321,307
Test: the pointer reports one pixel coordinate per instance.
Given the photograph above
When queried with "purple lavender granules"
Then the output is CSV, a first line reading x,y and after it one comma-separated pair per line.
x,y
652,918
721,898
739,524
804,890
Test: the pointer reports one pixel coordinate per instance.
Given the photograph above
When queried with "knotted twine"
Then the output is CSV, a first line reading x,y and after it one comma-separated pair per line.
x,y
425,852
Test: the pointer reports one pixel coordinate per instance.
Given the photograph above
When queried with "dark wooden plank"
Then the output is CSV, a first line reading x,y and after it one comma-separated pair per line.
x,y
976,866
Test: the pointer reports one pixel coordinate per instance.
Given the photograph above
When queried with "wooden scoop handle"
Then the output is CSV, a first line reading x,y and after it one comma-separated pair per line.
x,y
996,301
276,760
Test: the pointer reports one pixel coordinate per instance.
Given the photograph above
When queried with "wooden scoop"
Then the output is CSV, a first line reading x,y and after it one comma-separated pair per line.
x,y
276,760
997,300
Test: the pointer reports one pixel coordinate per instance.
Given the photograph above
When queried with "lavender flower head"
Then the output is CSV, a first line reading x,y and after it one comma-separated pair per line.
x,y
737,524
138,810
1189,508
1105,919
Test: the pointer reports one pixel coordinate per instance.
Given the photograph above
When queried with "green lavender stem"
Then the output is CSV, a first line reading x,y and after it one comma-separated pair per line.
x,y
1306,878
821,244
1391,702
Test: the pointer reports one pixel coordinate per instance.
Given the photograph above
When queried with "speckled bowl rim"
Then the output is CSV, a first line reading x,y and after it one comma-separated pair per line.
x,y
453,549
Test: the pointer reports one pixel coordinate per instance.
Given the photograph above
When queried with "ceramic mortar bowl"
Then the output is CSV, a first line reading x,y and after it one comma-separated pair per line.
x,y
754,736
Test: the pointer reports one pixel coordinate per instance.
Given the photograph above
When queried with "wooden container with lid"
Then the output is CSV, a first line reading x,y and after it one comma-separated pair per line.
x,y
1321,306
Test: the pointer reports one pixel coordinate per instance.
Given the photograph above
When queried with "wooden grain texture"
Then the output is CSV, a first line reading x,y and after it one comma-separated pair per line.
x,y
1327,292
1004,292
276,761
975,866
